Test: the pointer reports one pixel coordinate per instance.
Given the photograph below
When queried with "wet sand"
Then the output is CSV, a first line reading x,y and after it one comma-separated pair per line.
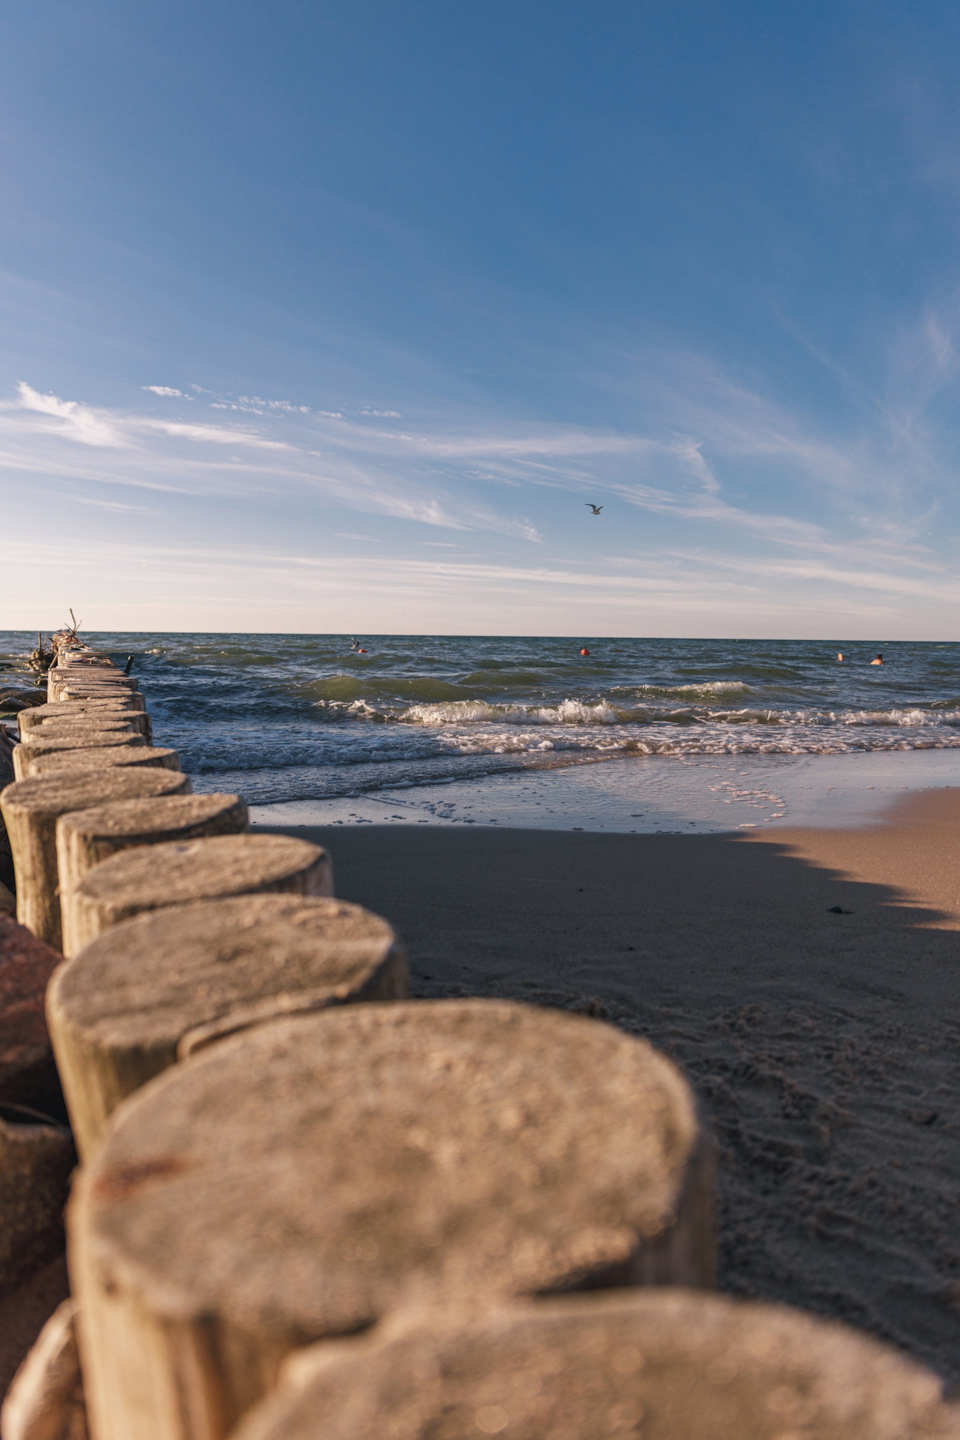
x,y
825,1046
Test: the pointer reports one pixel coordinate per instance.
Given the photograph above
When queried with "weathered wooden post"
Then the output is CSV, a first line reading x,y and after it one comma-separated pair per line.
x,y
74,688
311,1176
104,675
128,705
163,985
30,811
87,837
175,873
25,757
73,726
73,684
60,762
42,716
667,1364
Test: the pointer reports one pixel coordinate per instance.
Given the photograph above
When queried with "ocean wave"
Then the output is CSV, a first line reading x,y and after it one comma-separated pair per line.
x,y
706,687
442,714
459,712
680,743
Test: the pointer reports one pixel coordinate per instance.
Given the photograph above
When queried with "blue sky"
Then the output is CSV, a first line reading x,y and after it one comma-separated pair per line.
x,y
331,317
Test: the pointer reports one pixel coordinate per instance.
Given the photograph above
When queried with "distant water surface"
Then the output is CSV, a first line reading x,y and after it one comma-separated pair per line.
x,y
288,718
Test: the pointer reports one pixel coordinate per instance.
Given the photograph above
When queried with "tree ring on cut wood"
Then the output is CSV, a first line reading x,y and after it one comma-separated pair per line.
x,y
165,984
31,809
664,1365
25,757
126,758
86,838
178,872
310,1176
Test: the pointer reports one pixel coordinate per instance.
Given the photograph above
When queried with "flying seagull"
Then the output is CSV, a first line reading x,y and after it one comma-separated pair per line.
x,y
595,508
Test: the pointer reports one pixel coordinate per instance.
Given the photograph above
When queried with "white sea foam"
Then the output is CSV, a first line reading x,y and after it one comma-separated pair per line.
x,y
708,687
464,712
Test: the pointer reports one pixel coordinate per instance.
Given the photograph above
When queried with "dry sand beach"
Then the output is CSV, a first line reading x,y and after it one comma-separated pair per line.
x,y
808,980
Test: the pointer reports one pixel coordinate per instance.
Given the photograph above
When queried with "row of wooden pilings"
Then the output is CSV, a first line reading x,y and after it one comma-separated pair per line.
x,y
302,1217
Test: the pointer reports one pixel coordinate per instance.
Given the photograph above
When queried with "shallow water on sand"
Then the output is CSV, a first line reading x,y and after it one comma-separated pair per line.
x,y
690,795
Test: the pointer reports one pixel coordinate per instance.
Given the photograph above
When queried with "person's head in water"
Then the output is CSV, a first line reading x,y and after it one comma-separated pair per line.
x,y
839,654
879,659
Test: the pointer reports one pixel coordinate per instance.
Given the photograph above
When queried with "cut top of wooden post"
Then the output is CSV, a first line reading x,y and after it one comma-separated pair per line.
x,y
96,679
79,688
309,1176
115,680
177,872
86,837
108,674
136,757
108,714
172,981
73,727
25,756
72,691
661,1365
90,709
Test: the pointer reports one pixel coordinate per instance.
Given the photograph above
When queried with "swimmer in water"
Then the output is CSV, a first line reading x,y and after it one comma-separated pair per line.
x,y
878,661
840,656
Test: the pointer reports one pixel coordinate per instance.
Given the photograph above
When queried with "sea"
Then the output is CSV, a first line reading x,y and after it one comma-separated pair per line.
x,y
635,735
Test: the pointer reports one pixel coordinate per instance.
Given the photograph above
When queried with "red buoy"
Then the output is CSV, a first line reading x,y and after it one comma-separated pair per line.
x,y
584,651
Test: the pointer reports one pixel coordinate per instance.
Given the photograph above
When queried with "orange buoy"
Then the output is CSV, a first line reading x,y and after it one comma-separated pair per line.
x,y
584,651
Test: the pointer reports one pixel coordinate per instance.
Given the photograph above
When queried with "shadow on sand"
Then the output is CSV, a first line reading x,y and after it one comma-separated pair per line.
x,y
823,1045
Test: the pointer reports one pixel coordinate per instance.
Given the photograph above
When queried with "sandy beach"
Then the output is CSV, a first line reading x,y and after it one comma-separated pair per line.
x,y
808,981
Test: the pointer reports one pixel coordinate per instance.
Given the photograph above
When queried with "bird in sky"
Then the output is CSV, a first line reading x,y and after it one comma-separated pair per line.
x,y
595,508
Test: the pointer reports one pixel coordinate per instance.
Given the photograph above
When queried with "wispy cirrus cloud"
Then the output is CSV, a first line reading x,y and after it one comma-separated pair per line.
x,y
69,419
44,434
